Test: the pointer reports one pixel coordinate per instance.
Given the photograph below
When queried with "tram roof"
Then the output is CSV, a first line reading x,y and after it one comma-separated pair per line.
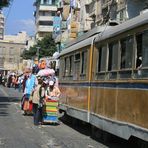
x,y
104,33
81,44
92,32
130,24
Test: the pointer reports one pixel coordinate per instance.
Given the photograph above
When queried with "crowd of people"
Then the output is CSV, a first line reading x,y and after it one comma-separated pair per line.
x,y
36,91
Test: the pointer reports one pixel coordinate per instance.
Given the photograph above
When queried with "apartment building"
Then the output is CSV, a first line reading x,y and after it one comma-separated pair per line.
x,y
79,16
45,11
1,25
11,49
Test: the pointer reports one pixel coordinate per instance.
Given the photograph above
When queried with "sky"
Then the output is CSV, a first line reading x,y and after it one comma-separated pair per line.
x,y
19,17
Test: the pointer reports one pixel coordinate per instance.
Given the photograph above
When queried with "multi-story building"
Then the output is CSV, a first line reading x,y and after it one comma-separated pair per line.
x,y
11,49
45,11
1,25
80,16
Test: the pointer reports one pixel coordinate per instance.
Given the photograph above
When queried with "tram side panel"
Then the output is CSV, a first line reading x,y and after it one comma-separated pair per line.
x,y
75,96
103,102
74,88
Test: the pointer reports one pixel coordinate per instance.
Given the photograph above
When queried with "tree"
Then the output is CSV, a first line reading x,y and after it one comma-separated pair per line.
x,y
46,47
4,3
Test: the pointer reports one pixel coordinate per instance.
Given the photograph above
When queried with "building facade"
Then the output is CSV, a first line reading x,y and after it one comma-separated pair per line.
x,y
79,16
45,11
1,25
11,49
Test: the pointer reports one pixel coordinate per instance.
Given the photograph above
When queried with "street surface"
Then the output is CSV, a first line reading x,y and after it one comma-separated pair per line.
x,y
18,131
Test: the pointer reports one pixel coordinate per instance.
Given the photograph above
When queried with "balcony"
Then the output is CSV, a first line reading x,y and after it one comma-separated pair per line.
x,y
44,18
42,28
47,8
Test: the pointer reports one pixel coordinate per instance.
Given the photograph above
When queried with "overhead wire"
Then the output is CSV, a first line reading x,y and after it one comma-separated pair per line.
x,y
107,15
9,10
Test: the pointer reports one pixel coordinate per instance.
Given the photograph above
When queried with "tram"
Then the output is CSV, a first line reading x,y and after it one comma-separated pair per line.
x,y
104,78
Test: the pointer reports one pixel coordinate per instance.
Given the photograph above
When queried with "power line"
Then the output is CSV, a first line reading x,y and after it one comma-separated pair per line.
x,y
9,11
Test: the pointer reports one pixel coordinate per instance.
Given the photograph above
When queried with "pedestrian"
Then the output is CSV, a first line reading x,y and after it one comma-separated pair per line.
x,y
37,114
30,84
54,91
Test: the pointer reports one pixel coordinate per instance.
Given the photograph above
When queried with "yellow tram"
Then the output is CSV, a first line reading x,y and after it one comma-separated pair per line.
x,y
104,78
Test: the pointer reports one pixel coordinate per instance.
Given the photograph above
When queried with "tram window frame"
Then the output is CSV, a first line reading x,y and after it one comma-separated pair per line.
x,y
126,57
102,58
83,63
141,46
77,65
77,57
126,54
113,58
66,67
141,64
71,66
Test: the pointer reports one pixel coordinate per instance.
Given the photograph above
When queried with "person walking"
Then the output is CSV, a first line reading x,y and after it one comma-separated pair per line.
x,y
37,111
30,85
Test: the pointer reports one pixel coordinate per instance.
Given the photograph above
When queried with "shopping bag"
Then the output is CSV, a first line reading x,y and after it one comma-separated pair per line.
x,y
30,106
26,105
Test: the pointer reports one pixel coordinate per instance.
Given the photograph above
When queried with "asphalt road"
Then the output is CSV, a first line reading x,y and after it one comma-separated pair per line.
x,y
18,131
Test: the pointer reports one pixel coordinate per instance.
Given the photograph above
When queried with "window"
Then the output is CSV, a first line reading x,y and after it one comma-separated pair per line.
x,y
66,66
84,62
102,59
11,51
76,66
46,23
77,57
1,51
126,53
71,62
142,49
48,2
53,13
113,56
11,60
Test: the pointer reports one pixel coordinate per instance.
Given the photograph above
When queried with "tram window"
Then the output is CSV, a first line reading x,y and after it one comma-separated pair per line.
x,y
84,62
113,56
102,59
77,57
126,52
66,66
71,66
142,49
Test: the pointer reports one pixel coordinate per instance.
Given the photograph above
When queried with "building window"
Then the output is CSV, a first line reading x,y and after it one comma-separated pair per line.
x,y
46,23
48,2
11,51
126,52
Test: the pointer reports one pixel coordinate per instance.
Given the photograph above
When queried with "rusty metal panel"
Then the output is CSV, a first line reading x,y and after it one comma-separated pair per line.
x,y
74,96
125,105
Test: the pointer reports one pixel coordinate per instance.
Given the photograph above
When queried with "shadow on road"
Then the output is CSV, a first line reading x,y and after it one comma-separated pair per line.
x,y
5,102
109,140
